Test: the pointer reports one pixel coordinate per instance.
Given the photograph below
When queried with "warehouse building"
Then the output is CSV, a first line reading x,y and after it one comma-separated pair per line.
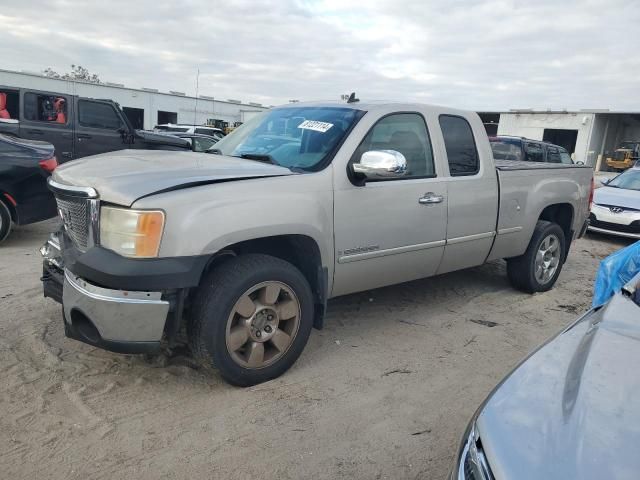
x,y
589,135
145,107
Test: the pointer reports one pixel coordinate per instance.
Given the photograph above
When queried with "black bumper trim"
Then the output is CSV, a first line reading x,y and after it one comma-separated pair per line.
x,y
52,281
112,345
107,269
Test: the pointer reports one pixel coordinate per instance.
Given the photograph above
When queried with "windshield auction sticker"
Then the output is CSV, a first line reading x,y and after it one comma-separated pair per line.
x,y
316,126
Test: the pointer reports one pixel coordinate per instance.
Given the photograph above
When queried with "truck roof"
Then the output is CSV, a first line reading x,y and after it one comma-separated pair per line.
x,y
376,105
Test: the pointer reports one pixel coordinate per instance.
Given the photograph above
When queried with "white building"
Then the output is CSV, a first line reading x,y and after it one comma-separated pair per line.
x,y
590,135
145,107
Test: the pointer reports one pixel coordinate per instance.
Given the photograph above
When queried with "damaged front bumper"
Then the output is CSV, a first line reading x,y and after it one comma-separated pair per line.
x,y
116,320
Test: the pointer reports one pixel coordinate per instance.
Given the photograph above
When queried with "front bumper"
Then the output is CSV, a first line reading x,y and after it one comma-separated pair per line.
x,y
117,320
115,303
625,223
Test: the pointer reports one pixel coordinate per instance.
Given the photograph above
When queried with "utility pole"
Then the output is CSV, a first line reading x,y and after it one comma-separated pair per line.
x,y
195,109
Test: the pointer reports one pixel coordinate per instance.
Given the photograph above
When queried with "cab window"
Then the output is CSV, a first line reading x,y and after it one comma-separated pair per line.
x,y
98,115
565,157
405,133
45,108
460,145
533,152
553,155
9,105
201,144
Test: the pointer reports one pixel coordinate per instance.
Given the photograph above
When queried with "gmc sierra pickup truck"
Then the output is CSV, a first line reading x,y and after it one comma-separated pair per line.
x,y
240,251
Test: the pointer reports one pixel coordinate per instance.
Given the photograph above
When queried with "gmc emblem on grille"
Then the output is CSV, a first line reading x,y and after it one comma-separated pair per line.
x,y
616,209
65,215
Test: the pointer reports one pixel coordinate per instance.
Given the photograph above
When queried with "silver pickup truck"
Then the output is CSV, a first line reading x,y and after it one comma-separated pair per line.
x,y
241,251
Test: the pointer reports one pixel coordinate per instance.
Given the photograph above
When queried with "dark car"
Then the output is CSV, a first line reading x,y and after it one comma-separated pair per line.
x,y
76,126
198,142
570,410
519,148
24,196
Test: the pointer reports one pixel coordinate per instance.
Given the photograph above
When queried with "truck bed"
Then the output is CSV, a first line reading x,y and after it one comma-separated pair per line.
x,y
526,189
508,165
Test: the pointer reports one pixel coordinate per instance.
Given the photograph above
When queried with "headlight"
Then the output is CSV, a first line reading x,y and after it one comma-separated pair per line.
x,y
132,233
471,463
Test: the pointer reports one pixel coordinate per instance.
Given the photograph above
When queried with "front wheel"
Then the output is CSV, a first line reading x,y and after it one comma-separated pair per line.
x,y
539,267
251,318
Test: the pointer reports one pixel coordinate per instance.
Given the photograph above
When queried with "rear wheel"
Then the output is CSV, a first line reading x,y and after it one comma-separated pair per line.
x,y
5,221
539,267
251,319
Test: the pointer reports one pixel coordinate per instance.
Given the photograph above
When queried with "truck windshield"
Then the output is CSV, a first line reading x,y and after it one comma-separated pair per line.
x,y
294,137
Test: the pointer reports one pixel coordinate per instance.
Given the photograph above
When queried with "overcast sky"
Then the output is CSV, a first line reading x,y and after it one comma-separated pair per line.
x,y
470,54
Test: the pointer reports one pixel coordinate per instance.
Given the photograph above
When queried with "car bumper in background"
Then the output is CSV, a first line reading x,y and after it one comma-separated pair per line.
x,y
624,224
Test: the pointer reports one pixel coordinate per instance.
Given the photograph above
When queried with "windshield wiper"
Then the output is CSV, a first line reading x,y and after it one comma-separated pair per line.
x,y
260,157
215,151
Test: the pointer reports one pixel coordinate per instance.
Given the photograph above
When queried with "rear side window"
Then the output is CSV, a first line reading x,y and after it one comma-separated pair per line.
x,y
565,157
504,150
533,152
460,145
98,115
205,131
45,108
9,102
553,155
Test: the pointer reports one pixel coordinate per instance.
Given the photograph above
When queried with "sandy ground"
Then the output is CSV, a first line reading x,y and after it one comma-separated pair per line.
x,y
384,391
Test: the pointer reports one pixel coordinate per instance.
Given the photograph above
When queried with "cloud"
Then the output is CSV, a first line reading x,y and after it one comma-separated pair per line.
x,y
496,54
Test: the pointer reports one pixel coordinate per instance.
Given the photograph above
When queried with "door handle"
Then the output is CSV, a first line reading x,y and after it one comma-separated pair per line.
x,y
430,198
84,135
35,132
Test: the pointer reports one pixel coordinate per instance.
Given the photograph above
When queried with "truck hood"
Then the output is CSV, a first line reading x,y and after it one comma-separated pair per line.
x,y
571,409
618,197
124,176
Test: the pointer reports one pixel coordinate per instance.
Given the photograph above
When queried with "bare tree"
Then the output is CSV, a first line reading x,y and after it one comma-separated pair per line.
x,y
78,72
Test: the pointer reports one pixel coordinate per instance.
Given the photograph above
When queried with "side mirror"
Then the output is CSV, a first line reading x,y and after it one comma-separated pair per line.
x,y
377,164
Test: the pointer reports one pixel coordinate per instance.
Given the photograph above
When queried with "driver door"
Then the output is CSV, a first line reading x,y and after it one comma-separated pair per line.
x,y
98,128
386,231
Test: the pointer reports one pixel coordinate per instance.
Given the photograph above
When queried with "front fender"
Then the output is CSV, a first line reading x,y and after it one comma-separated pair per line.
x,y
206,219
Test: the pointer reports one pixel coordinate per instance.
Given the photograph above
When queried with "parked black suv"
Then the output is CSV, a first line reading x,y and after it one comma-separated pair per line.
x,y
76,126
24,196
519,148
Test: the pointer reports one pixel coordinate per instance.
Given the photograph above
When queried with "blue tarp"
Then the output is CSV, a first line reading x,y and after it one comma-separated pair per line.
x,y
615,271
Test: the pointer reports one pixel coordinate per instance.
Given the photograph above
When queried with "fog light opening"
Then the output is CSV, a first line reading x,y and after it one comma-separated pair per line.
x,y
84,327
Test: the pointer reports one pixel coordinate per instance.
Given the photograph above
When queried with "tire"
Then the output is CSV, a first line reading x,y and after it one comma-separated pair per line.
x,y
522,271
221,318
5,221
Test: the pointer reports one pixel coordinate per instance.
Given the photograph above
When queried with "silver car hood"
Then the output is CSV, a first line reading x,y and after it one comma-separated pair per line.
x,y
124,176
572,410
618,197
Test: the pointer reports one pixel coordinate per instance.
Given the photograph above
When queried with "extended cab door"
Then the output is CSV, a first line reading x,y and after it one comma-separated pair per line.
x,y
473,190
47,116
385,231
98,128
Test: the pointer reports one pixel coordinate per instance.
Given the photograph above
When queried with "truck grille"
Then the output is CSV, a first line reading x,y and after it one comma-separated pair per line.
x,y
75,218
